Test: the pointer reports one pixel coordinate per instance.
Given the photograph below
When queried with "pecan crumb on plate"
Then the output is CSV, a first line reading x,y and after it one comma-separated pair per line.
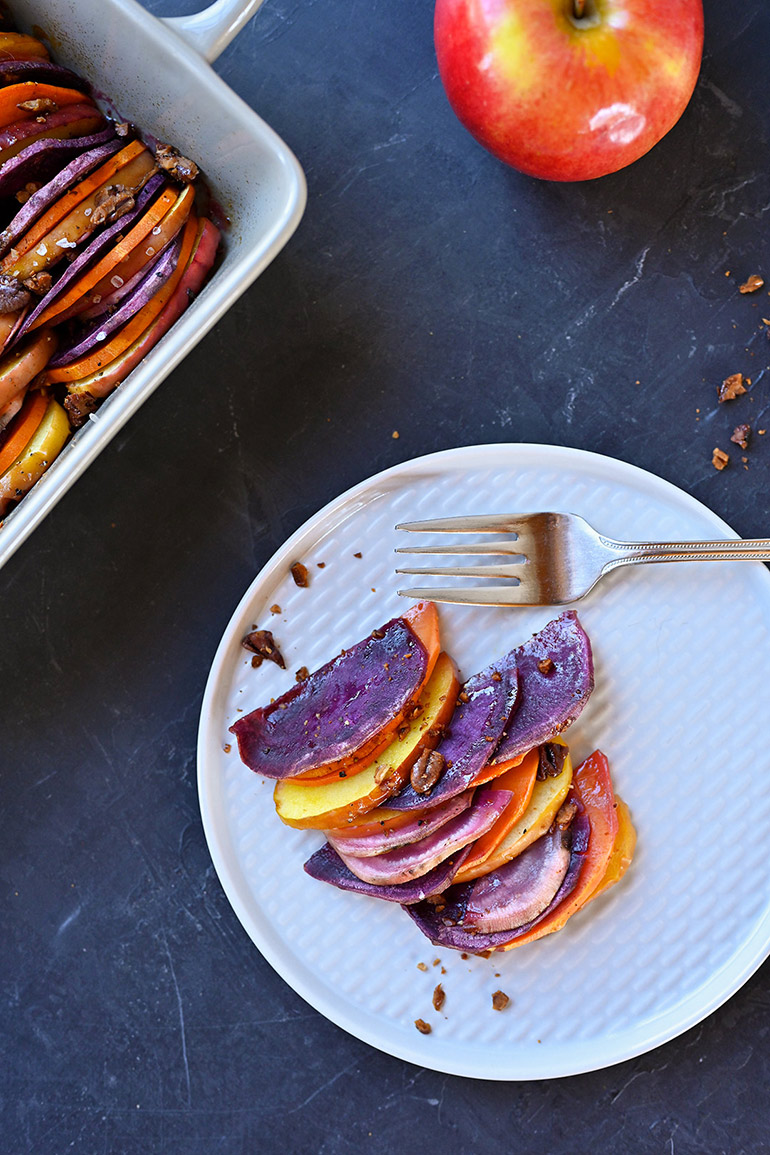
x,y
423,1027
500,1001
720,459
439,997
421,966
275,608
731,387
751,284
263,646
302,674
741,435
300,574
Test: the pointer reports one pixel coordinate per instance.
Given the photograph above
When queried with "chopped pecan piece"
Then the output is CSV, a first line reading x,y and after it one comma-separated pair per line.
x,y
38,105
567,812
302,674
177,166
423,1027
740,435
426,771
720,459
31,187
263,647
13,296
439,997
112,202
38,283
551,761
78,406
500,1001
545,665
751,284
123,129
300,574
731,387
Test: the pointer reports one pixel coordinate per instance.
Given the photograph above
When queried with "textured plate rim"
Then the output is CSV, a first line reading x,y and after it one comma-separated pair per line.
x,y
524,1063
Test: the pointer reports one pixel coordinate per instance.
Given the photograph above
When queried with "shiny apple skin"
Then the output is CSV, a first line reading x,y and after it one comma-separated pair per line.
x,y
562,101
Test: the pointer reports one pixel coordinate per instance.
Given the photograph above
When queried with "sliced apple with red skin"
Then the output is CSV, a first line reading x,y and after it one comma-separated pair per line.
x,y
547,797
622,851
332,804
152,232
75,120
46,443
18,368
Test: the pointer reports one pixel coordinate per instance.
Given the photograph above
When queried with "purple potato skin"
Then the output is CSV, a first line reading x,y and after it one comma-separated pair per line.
x,y
153,280
548,701
339,708
19,71
42,161
99,244
327,866
474,732
434,925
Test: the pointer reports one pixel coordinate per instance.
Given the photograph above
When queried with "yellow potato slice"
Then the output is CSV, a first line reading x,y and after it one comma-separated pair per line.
x,y
46,442
544,804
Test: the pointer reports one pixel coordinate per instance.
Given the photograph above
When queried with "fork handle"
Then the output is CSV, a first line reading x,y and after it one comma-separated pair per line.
x,y
644,553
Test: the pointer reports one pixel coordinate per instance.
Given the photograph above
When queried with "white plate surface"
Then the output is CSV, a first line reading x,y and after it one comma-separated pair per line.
x,y
682,658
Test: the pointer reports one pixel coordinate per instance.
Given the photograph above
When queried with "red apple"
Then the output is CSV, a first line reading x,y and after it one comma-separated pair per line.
x,y
568,89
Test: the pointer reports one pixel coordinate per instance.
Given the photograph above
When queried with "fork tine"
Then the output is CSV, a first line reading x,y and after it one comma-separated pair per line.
x,y
487,571
509,548
477,523
521,595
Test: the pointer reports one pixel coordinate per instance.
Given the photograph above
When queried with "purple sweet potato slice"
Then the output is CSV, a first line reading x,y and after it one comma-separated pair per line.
x,y
519,891
443,924
42,160
417,858
423,825
71,122
99,244
556,677
154,278
341,709
486,702
13,71
327,866
91,152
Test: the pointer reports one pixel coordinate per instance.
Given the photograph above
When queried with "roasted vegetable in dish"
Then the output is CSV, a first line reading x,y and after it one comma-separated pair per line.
x,y
104,244
458,802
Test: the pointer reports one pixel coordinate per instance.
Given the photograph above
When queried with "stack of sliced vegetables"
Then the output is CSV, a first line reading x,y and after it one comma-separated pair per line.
x,y
459,802
103,248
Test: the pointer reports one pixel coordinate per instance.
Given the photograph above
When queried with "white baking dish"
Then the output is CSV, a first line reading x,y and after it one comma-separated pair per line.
x,y
155,73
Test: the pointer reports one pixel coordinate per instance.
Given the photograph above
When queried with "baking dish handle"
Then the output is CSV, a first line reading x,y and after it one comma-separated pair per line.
x,y
210,31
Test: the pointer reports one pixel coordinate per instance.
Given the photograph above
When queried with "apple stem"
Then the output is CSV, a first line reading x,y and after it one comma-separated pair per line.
x,y
578,9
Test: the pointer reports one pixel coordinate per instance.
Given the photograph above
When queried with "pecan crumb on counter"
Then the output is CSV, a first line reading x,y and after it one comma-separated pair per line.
x,y
741,435
426,771
500,1001
300,574
263,646
751,284
720,459
177,166
439,997
423,1027
545,665
731,387
302,674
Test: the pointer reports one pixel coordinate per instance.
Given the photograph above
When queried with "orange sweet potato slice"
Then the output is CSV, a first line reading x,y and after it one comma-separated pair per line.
x,y
520,780
335,804
31,90
622,852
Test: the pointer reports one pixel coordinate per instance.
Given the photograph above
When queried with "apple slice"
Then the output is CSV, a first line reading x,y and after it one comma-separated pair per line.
x,y
29,92
24,363
331,805
46,443
547,796
622,851
129,256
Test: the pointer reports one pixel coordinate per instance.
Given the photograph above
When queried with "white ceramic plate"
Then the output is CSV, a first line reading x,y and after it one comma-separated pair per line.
x,y
682,673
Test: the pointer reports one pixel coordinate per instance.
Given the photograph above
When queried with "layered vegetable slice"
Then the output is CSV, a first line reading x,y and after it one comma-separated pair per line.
x,y
51,430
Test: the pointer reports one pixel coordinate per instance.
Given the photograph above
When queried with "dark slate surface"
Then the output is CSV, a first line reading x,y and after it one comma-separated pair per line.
x,y
431,291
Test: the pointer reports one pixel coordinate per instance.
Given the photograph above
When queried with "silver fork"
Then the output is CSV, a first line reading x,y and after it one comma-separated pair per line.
x,y
561,557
